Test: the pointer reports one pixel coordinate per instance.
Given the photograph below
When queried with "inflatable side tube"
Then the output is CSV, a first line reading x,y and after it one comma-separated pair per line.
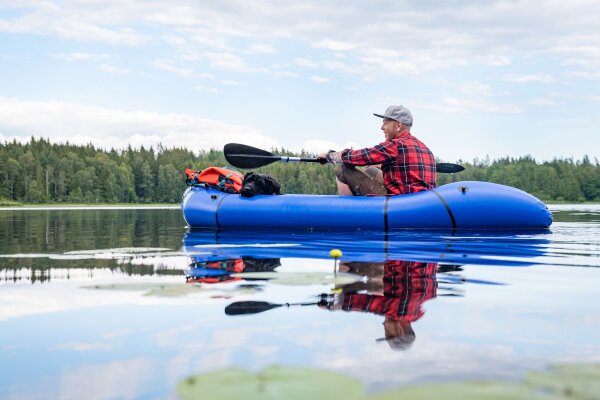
x,y
483,205
423,210
302,211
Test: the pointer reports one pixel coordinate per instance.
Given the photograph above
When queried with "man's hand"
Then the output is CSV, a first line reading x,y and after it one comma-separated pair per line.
x,y
332,156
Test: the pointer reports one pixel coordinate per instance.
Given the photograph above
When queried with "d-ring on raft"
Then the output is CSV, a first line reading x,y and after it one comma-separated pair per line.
x,y
458,205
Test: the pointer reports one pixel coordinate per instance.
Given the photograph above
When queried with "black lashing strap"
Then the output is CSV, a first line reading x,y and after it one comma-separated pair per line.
x,y
450,214
386,225
223,195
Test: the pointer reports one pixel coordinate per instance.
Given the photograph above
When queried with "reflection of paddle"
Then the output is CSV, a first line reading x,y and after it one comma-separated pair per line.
x,y
255,307
243,156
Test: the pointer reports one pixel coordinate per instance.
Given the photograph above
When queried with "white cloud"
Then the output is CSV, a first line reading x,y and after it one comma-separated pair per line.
x,y
10,57
390,61
591,75
112,69
342,67
465,105
305,62
207,89
106,127
287,74
335,45
475,89
83,346
260,49
94,58
231,62
73,57
319,79
228,82
227,61
49,19
424,37
540,78
496,60
546,101
167,65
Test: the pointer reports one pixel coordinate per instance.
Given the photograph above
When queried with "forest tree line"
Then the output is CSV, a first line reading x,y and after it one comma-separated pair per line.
x,y
43,172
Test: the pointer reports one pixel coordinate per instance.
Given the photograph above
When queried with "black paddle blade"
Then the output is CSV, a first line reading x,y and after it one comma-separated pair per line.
x,y
249,307
448,168
242,156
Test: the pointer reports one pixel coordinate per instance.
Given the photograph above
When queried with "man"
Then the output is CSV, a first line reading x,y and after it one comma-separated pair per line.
x,y
406,164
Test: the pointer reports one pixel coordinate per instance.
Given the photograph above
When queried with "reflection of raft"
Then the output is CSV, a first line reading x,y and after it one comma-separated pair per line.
x,y
460,205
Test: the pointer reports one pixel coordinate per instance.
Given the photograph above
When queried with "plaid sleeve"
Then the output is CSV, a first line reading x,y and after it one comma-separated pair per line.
x,y
382,153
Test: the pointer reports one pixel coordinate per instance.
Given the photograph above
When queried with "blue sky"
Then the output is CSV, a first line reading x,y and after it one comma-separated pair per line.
x,y
497,78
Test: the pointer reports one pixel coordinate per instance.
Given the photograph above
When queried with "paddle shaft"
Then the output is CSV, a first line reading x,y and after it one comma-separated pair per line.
x,y
285,159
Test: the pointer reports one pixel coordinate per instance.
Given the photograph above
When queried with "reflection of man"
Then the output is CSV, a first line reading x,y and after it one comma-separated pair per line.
x,y
396,289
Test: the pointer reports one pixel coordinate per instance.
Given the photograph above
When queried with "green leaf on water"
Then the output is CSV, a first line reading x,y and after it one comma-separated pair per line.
x,y
272,383
576,381
152,289
173,289
123,286
476,390
564,382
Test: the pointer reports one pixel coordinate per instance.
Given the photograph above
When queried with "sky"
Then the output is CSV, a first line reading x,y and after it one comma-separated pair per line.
x,y
481,78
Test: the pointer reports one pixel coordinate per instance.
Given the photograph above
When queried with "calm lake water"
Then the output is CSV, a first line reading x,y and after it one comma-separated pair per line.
x,y
126,303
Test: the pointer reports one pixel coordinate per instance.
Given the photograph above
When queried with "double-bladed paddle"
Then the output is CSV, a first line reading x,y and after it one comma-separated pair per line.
x,y
243,156
255,307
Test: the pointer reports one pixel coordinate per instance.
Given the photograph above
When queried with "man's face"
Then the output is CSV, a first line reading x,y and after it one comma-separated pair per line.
x,y
391,128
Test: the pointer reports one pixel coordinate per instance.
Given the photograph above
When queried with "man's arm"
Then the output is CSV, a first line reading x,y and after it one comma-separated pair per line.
x,y
380,154
383,153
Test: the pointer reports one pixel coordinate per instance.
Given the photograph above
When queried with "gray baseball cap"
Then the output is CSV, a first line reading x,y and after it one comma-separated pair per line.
x,y
397,113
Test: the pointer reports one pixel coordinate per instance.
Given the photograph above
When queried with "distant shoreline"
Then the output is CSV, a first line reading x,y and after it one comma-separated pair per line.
x,y
75,206
22,206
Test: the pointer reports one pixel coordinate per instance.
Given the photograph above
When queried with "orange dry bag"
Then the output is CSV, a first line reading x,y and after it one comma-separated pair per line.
x,y
224,179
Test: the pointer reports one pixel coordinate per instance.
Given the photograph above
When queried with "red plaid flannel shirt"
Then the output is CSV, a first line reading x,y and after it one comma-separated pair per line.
x,y
407,285
408,166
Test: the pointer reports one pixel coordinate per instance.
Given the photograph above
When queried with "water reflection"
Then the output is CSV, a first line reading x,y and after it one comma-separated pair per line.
x,y
221,271
395,290
39,246
483,248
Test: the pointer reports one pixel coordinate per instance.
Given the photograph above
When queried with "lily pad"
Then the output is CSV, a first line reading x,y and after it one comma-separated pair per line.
x,y
301,278
172,289
152,289
565,382
577,381
477,390
274,382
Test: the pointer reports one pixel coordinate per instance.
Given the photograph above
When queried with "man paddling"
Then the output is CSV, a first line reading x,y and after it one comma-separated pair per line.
x,y
406,164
